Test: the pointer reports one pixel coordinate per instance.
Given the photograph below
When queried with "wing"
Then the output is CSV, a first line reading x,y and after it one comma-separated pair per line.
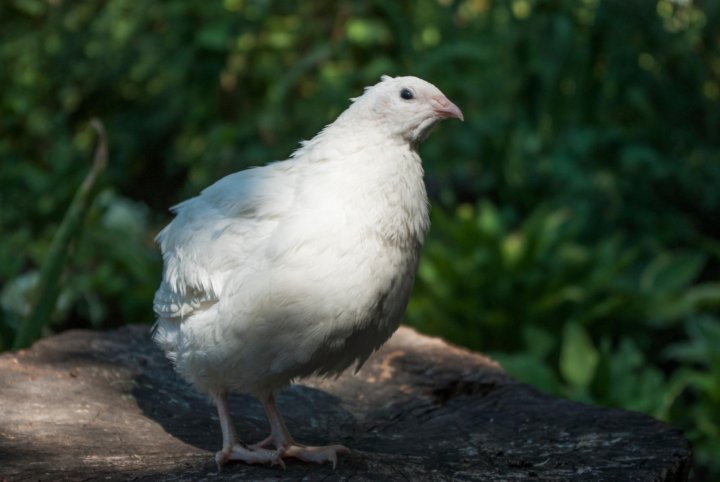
x,y
217,234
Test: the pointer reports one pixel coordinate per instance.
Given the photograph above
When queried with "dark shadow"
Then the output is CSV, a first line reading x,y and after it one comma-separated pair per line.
x,y
313,416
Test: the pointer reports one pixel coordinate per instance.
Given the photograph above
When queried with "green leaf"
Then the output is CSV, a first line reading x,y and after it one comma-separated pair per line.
x,y
578,356
367,32
528,368
538,341
489,220
672,272
213,37
704,296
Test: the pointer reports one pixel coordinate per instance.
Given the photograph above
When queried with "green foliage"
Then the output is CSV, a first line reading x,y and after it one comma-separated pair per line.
x,y
56,258
576,210
698,382
475,264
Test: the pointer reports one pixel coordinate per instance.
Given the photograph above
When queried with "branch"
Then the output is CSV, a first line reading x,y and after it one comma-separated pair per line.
x,y
30,328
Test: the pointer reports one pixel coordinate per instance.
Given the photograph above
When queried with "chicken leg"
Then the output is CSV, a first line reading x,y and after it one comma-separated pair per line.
x,y
232,448
281,439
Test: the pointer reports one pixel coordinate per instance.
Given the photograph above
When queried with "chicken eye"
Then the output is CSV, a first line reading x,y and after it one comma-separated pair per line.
x,y
406,94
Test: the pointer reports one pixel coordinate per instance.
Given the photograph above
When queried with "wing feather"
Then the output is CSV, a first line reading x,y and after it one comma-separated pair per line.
x,y
217,234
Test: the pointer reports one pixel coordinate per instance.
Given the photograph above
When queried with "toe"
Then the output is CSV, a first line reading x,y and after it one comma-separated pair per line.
x,y
263,444
250,456
318,455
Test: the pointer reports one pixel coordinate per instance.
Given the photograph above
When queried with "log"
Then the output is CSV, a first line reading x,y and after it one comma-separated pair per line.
x,y
87,405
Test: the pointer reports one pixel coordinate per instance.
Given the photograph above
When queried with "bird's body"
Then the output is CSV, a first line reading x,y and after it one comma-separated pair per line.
x,y
300,267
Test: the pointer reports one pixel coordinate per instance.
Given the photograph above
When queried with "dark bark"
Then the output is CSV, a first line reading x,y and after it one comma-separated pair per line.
x,y
107,406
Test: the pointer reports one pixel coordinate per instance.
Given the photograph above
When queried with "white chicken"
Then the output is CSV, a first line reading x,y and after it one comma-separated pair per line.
x,y
300,267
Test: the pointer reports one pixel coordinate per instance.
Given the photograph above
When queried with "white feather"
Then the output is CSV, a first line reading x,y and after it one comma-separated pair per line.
x,y
302,266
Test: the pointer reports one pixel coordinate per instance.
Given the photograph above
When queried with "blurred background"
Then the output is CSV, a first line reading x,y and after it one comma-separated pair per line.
x,y
576,212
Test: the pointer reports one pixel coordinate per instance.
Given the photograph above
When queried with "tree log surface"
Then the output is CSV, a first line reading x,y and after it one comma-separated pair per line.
x,y
85,405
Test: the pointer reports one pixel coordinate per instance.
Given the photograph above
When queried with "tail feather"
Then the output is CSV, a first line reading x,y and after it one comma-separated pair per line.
x,y
166,334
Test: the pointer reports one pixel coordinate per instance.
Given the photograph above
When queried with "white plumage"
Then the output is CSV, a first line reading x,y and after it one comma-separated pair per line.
x,y
303,266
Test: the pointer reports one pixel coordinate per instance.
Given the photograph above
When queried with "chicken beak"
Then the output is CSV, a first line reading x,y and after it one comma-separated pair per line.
x,y
446,110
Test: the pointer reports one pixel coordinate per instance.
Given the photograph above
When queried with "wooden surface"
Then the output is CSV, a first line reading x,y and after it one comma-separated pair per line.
x,y
107,406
